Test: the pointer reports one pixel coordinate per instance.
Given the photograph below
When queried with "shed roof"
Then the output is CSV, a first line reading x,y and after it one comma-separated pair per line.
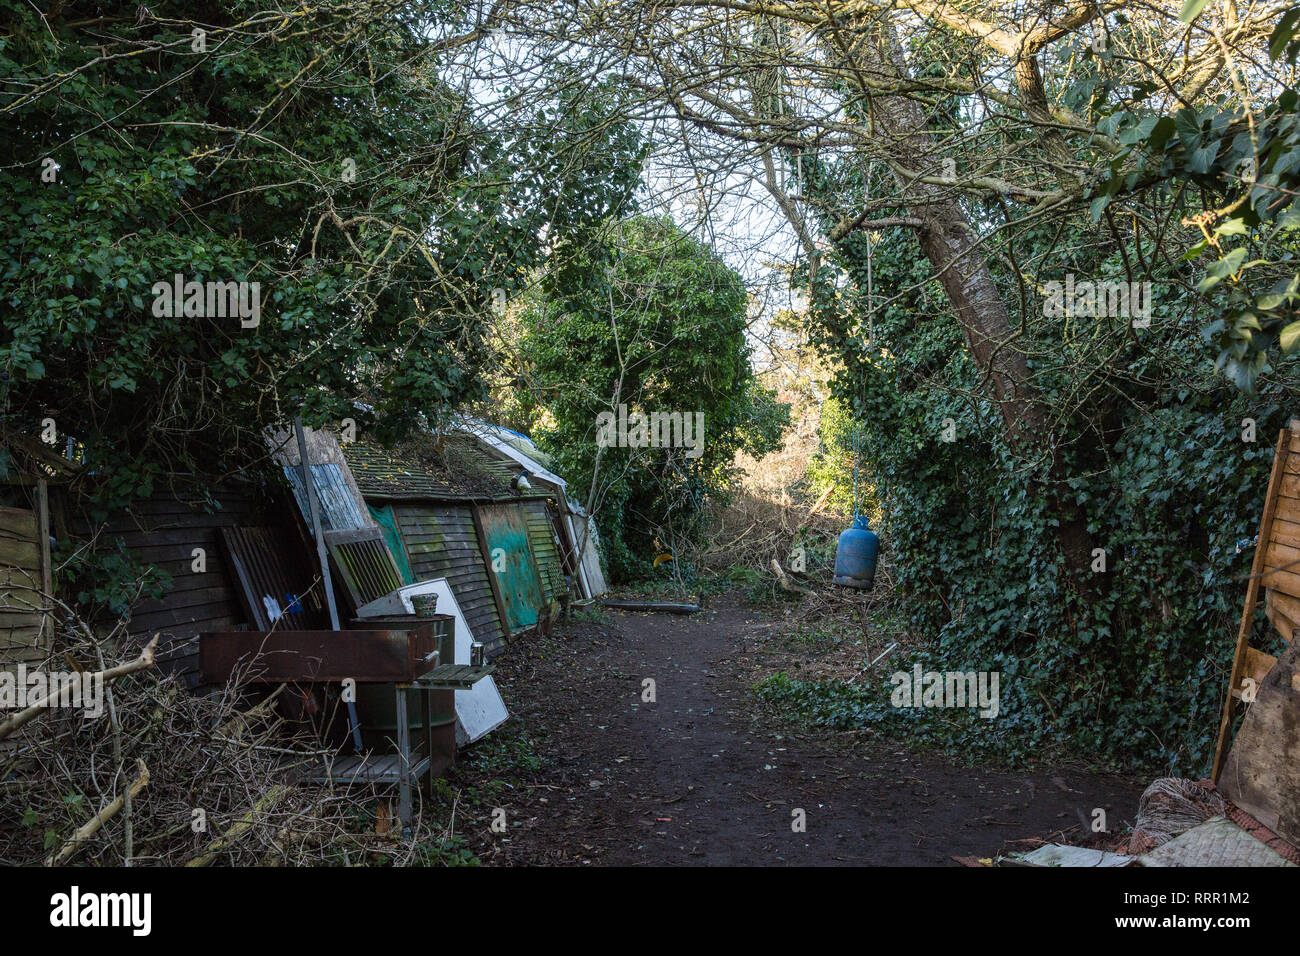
x,y
504,444
454,468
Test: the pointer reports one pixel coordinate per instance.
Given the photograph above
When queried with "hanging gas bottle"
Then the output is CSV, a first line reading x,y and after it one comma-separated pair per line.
x,y
855,555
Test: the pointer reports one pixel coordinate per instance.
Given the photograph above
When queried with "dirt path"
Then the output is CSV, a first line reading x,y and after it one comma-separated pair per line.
x,y
693,779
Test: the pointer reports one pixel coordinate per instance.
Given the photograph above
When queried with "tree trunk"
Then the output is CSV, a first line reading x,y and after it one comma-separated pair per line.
x,y
952,246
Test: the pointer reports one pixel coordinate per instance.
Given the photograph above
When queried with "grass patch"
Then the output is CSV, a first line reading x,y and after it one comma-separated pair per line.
x,y
958,732
759,589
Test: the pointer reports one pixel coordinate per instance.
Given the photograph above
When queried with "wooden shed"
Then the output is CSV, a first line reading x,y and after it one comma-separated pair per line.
x,y
457,512
185,534
174,543
217,557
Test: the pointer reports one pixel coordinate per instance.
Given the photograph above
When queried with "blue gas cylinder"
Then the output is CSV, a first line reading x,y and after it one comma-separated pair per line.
x,y
855,556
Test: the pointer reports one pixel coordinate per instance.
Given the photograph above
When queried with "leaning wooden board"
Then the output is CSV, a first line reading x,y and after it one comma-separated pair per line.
x,y
1277,569
24,575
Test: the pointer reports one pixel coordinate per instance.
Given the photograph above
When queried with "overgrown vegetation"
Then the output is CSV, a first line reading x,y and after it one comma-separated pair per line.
x,y
319,154
1163,461
644,320
216,780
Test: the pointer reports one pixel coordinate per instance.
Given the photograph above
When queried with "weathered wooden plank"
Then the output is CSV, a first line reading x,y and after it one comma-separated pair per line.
x,y
136,522
1290,485
186,580
233,510
1282,557
19,579
43,535
17,523
1287,582
21,639
1288,509
442,542
197,497
174,617
1286,532
541,539
1286,604
24,577
201,597
24,650
1284,625
16,630
1255,668
162,553
21,615
20,554
182,539
183,639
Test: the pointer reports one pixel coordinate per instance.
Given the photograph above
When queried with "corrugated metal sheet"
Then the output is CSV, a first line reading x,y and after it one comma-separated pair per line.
x,y
441,542
338,509
274,579
584,536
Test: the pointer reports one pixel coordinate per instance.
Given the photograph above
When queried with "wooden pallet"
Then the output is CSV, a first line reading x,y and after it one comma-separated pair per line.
x,y
1276,568
363,563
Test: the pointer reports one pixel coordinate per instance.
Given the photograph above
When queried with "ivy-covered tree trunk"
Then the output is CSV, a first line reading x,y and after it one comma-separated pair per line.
x,y
952,247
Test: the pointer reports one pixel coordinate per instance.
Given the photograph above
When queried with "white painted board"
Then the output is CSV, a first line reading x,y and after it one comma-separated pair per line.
x,y
479,710
1056,854
595,578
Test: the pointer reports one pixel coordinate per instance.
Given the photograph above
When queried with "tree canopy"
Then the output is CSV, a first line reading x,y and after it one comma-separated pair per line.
x,y
319,154
644,320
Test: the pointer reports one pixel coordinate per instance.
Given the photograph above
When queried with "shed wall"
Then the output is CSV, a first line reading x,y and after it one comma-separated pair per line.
x,y
441,542
163,531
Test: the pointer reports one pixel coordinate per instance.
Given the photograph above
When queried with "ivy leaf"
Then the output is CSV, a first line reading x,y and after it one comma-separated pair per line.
x,y
1290,335
1191,10
1139,132
1283,32
1160,134
1203,158
1233,227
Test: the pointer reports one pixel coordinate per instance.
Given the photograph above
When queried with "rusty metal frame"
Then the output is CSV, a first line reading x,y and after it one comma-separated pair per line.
x,y
366,656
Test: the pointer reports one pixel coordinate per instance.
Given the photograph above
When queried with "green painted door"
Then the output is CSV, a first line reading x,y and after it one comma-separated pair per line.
x,y
510,561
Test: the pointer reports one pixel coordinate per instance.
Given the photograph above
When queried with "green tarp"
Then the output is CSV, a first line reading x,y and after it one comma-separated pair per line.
x,y
386,520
